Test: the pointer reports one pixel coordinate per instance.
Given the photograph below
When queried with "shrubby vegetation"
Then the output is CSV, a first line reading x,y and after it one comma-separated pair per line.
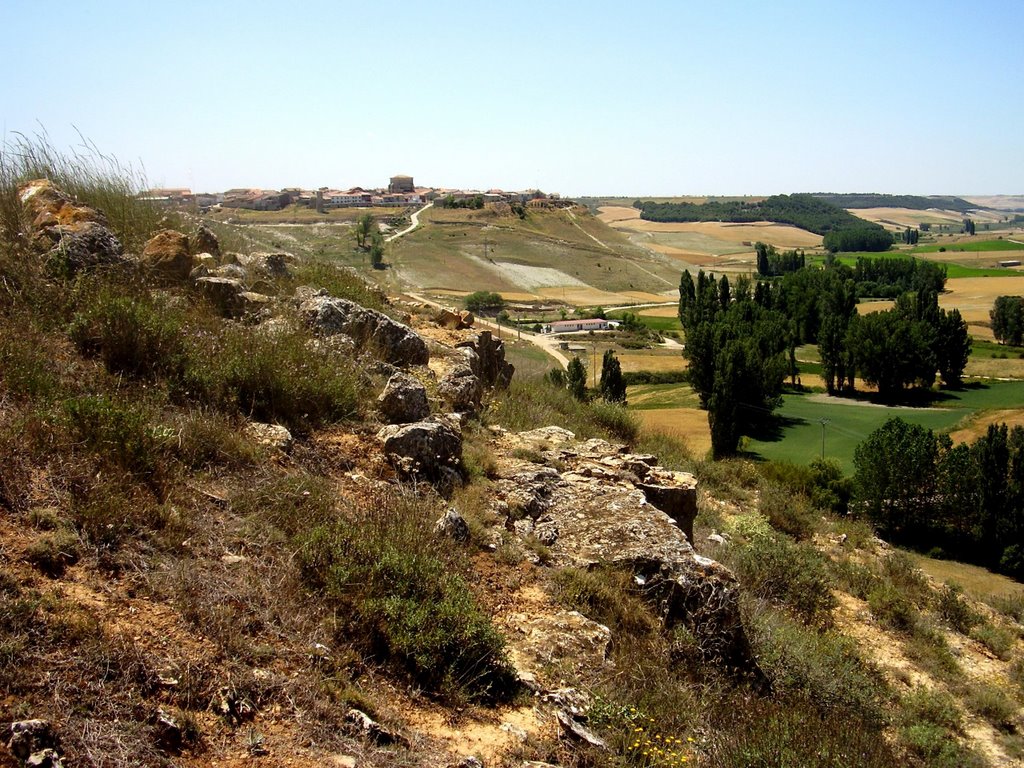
x,y
914,202
484,302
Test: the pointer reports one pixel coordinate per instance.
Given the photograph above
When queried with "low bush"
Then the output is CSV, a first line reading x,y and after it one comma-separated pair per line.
x,y
823,667
936,707
606,596
340,282
857,579
997,639
53,552
788,512
934,746
1010,605
118,431
892,608
774,568
288,504
275,378
954,610
128,330
400,596
993,704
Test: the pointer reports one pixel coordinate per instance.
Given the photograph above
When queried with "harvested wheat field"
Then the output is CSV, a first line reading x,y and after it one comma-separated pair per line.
x,y
779,235
610,214
906,217
975,296
658,360
687,424
585,296
666,311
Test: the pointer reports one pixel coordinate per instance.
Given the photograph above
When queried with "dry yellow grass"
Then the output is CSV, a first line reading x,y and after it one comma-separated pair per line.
x,y
990,368
585,296
975,580
906,217
660,311
690,425
975,428
651,359
686,256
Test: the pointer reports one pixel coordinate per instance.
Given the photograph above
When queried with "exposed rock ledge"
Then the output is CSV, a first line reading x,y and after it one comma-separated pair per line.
x,y
593,504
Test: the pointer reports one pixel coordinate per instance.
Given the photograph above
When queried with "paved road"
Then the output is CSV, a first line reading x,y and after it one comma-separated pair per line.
x,y
415,223
547,343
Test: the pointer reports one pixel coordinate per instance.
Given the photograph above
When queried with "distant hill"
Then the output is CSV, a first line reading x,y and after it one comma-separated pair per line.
x,y
914,202
842,230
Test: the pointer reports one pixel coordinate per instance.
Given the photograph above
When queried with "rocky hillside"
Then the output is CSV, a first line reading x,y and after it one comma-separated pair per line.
x,y
254,512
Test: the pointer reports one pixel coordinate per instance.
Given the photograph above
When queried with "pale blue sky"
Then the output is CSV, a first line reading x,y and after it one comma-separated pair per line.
x,y
630,98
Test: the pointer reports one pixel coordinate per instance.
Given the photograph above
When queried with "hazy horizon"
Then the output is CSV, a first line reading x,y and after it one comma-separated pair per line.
x,y
583,99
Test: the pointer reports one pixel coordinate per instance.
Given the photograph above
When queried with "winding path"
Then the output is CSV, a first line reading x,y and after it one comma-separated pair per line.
x,y
415,218
546,343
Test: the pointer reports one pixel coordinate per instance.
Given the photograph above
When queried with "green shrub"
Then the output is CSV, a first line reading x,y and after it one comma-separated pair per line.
x,y
787,511
206,438
856,578
276,378
992,704
791,731
397,592
340,282
824,667
51,553
26,361
936,707
892,608
899,570
997,639
117,431
933,744
131,333
954,610
774,568
1010,605
606,596
290,504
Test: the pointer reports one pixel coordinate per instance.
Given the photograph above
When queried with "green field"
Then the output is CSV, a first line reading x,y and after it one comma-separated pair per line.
x,y
971,247
953,270
660,324
796,434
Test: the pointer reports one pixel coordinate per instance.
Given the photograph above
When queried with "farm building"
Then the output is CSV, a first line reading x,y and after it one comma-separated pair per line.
x,y
575,326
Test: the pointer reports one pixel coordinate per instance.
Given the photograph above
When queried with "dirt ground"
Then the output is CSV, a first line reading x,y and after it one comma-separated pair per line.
x,y
1013,417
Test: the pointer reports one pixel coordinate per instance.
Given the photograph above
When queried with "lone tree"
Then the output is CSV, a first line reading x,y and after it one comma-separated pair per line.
x,y
576,379
364,229
377,251
613,385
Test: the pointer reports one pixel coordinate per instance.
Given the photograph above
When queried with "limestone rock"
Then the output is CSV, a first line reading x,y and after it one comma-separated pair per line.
x,y
371,330
369,729
46,758
167,255
575,730
598,506
269,435
403,400
167,732
490,364
28,737
72,236
539,643
205,241
430,449
452,525
267,264
461,389
231,271
223,293
455,321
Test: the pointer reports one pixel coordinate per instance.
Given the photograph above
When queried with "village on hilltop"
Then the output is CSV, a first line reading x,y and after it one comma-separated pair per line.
x,y
400,192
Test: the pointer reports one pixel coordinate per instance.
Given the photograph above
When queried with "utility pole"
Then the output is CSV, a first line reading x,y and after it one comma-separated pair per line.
x,y
823,422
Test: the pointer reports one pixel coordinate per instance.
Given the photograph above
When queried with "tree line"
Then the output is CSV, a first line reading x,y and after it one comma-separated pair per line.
x,y
1007,316
962,501
771,263
804,211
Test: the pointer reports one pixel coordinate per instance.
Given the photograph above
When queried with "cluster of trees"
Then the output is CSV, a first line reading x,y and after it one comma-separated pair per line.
x,y
863,237
612,387
887,278
476,202
920,490
771,263
804,211
483,302
969,226
908,345
737,352
1007,316
910,236
369,239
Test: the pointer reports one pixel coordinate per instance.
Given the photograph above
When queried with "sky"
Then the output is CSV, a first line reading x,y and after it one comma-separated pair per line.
x,y
582,98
